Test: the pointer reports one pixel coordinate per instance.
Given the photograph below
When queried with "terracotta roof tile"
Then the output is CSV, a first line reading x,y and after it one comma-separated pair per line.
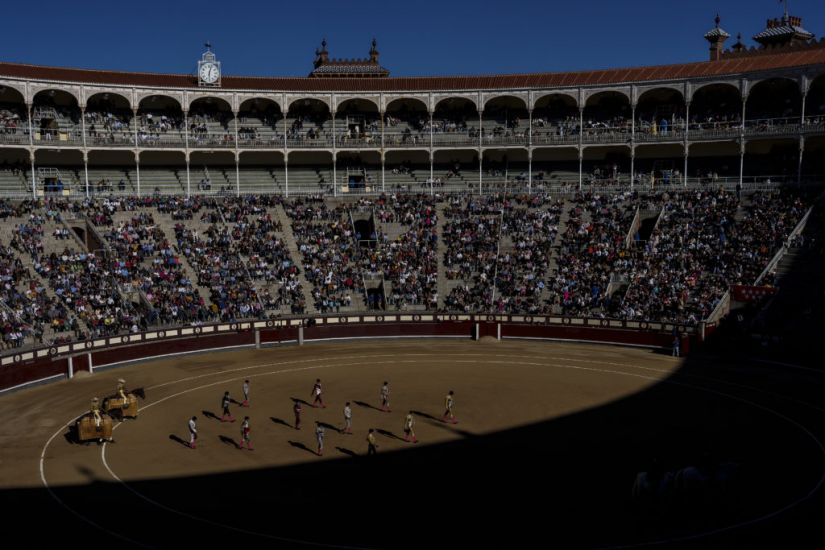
x,y
727,66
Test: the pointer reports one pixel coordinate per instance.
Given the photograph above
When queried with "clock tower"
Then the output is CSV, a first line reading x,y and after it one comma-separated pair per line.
x,y
209,69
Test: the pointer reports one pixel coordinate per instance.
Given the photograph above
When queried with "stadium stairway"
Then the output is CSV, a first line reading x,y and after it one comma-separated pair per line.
x,y
444,284
50,244
167,225
295,255
553,263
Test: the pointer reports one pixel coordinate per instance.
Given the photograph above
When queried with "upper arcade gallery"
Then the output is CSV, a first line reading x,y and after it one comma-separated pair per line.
x,y
778,90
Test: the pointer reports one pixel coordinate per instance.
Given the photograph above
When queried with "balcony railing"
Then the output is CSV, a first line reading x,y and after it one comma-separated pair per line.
x,y
14,136
163,139
212,141
644,133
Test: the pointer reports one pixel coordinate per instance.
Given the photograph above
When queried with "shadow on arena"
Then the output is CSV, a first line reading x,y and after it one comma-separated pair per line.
x,y
566,482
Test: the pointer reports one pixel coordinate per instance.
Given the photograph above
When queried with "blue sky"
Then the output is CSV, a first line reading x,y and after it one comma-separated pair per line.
x,y
425,37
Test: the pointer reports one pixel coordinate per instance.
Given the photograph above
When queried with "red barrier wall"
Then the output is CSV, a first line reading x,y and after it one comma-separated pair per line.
x,y
20,373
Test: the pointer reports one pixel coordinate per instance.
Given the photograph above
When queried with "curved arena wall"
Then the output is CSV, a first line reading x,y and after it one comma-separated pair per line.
x,y
22,368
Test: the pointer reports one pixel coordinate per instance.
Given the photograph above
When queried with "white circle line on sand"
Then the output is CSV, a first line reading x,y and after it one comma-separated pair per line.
x,y
717,531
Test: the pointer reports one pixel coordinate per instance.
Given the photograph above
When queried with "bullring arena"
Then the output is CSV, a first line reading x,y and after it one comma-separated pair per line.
x,y
592,300
545,430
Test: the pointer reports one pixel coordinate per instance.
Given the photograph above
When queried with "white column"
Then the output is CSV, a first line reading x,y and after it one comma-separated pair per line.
x,y
85,150
286,174
383,166
632,162
480,151
188,178
137,171
71,368
581,139
237,154
529,150
86,170
34,177
687,142
238,176
31,149
530,170
334,158
432,154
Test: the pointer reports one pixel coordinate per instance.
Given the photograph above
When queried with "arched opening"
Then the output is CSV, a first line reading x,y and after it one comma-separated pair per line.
x,y
659,165
160,122
212,173
163,173
306,121
56,117
406,123
357,123
606,166
59,173
555,169
211,123
712,163
772,100
456,170
555,120
504,121
606,118
660,114
310,173
15,173
258,126
108,118
813,159
815,102
455,122
262,173
112,172
505,170
716,111
774,159
14,117
359,172
407,171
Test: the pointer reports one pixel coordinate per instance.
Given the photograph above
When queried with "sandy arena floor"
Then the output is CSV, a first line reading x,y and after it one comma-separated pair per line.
x,y
548,443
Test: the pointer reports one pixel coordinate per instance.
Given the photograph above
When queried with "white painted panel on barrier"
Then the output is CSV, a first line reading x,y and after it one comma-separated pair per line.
x,y
63,349
427,317
616,324
208,329
260,324
99,343
633,324
294,322
42,352
576,321
406,318
518,319
151,335
187,331
27,356
463,317
331,320
7,360
369,319
245,326
224,327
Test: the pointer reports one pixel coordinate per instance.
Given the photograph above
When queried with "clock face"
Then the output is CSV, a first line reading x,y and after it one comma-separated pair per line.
x,y
209,73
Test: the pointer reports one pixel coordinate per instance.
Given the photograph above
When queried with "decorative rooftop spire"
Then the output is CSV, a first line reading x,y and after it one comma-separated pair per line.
x,y
716,36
